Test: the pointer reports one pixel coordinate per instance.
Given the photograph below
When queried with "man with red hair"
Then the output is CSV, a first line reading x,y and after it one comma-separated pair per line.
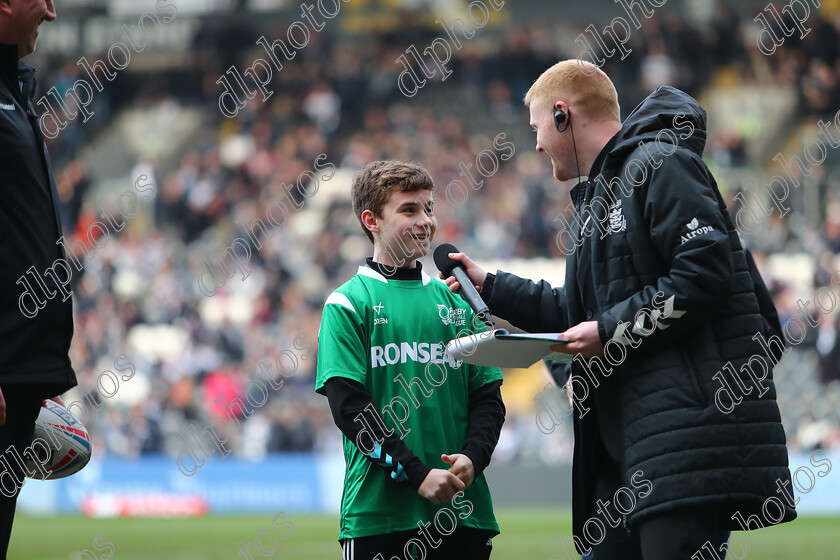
x,y
658,303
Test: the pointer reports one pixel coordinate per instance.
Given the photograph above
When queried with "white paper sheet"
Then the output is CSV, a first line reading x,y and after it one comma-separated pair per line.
x,y
499,348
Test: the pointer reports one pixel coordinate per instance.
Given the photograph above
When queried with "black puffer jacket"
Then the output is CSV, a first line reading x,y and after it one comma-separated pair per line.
x,y
34,348
670,235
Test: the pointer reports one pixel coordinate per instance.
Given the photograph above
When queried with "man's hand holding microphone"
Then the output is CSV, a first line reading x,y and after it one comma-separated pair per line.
x,y
582,338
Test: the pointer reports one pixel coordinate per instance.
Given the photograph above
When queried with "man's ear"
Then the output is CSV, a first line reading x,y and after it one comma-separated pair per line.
x,y
370,221
560,105
6,7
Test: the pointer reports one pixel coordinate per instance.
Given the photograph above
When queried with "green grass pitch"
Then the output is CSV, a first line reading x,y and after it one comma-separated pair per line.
x,y
526,535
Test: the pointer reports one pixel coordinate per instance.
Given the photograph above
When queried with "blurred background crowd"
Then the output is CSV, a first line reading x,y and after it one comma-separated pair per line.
x,y
214,176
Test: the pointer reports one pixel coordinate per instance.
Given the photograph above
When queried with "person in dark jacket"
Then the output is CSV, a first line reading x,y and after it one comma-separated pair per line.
x,y
660,309
35,331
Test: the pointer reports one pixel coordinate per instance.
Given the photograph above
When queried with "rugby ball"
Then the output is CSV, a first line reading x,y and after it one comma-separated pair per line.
x,y
61,444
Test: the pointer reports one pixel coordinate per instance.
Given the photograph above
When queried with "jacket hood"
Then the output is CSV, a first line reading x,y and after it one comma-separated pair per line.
x,y
667,108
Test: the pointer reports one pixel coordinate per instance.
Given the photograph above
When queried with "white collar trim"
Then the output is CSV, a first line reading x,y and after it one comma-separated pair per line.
x,y
367,271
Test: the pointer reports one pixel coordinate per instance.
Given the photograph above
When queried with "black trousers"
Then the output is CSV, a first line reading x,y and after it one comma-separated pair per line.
x,y
674,535
23,403
464,543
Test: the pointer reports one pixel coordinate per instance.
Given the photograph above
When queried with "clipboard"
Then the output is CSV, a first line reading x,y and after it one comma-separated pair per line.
x,y
499,348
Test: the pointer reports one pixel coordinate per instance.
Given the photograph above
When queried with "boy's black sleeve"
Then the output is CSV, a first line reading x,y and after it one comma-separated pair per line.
x,y
348,400
486,416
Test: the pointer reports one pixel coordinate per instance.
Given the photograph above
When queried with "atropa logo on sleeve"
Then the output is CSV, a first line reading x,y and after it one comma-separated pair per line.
x,y
694,230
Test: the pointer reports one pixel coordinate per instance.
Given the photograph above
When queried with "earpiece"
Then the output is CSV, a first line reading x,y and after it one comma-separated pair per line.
x,y
560,118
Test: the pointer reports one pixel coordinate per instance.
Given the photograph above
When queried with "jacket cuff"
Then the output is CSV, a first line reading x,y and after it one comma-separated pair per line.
x,y
487,287
602,333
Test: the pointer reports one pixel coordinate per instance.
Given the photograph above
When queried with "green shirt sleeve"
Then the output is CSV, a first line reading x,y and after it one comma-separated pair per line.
x,y
341,346
480,375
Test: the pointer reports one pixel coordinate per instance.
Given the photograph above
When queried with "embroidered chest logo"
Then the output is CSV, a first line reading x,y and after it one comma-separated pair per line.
x,y
618,222
449,316
379,320
694,230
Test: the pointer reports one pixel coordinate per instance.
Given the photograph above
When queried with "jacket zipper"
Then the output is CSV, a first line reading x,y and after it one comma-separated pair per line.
x,y
32,118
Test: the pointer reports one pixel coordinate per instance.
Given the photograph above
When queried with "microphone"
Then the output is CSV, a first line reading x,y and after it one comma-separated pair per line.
x,y
454,268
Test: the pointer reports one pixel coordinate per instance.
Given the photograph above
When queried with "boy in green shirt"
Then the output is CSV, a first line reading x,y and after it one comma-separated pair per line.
x,y
419,426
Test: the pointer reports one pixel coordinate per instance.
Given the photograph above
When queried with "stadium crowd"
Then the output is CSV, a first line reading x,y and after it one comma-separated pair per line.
x,y
139,295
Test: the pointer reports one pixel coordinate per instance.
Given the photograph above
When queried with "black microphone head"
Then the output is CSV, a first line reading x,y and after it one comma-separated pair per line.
x,y
442,260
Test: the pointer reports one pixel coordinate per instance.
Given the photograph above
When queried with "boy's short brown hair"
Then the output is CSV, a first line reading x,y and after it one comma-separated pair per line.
x,y
374,183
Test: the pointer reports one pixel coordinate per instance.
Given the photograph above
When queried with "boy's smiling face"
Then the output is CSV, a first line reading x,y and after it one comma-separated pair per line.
x,y
405,230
